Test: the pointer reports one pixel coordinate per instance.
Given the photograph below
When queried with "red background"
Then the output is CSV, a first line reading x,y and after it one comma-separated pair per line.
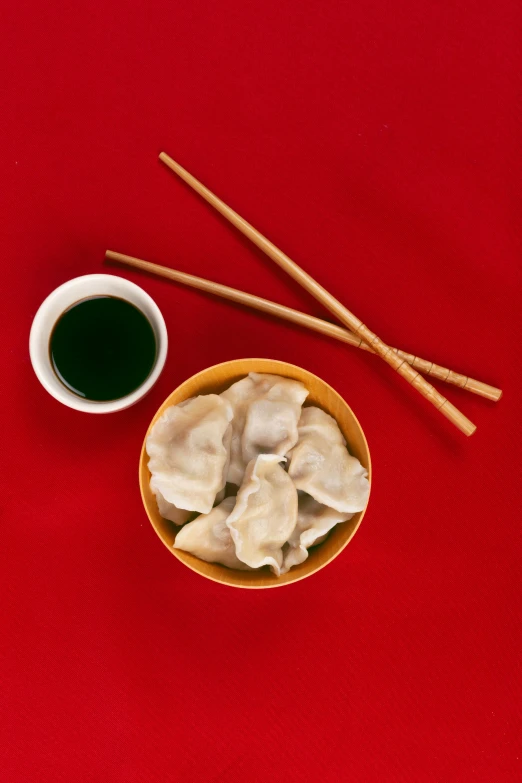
x,y
376,144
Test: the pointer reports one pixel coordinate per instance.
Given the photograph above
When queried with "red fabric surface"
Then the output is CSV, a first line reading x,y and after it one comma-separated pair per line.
x,y
376,144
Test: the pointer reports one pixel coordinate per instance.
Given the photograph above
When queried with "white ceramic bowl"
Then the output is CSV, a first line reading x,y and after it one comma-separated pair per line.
x,y
65,296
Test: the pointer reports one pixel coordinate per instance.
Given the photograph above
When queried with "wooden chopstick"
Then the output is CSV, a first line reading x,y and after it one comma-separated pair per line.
x,y
346,317
302,319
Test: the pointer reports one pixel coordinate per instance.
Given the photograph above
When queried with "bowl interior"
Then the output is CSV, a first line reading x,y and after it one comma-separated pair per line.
x,y
216,379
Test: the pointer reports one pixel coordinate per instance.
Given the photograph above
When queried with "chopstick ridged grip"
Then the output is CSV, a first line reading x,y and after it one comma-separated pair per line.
x,y
401,366
323,296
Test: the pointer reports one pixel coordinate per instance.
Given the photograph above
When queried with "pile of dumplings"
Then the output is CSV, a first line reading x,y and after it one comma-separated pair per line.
x,y
285,468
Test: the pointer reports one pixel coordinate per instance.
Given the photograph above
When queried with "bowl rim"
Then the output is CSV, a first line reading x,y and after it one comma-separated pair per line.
x,y
172,550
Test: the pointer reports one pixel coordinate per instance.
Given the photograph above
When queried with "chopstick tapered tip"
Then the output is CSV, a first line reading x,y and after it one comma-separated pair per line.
x,y
174,166
167,160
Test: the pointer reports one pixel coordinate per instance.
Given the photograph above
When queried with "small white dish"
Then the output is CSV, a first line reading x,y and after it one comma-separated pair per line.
x,y
64,297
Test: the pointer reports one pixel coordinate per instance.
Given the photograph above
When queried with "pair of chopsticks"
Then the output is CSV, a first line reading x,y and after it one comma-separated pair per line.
x,y
302,319
358,335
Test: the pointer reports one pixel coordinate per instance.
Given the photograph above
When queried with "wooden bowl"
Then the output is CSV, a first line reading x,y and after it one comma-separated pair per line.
x,y
216,379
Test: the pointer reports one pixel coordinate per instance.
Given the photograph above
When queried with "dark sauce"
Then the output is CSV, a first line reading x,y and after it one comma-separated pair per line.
x,y
102,348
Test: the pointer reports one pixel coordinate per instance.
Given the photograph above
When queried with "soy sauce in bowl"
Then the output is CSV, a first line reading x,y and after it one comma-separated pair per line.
x,y
102,348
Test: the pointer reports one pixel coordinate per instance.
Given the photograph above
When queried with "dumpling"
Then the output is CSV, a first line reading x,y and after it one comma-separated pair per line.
x,y
189,451
321,465
270,428
179,515
314,522
169,511
265,513
266,413
209,538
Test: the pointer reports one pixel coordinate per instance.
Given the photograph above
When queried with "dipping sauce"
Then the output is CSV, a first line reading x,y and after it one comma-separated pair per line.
x,y
102,348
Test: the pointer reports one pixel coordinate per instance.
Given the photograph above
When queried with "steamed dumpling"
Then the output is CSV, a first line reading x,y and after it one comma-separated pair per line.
x,y
169,511
209,538
189,451
270,428
314,522
179,515
265,513
321,465
266,412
